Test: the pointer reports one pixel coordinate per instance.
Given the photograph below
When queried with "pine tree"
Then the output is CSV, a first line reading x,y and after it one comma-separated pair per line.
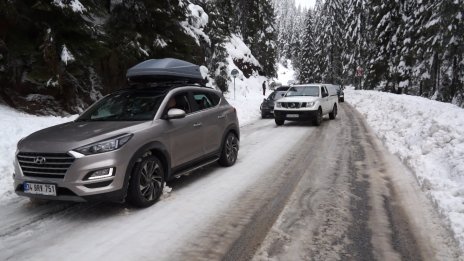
x,y
354,41
260,35
306,70
385,19
329,41
219,30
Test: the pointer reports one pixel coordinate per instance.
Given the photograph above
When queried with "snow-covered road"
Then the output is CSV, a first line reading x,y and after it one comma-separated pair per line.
x,y
328,192
111,231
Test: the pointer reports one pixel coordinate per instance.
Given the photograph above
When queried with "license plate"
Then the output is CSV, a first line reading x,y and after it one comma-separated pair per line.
x,y
39,189
293,115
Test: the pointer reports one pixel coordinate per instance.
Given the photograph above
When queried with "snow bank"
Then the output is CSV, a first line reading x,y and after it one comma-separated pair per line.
x,y
238,50
16,125
429,137
249,91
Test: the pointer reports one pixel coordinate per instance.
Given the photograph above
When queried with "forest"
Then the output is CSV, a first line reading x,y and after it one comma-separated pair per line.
x,y
59,56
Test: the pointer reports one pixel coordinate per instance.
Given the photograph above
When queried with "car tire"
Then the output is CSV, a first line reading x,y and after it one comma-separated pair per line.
x,y
342,99
146,183
318,117
229,151
279,121
263,115
333,114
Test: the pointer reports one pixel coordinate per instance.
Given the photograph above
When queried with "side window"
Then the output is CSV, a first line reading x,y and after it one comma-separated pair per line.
x,y
205,100
324,92
179,101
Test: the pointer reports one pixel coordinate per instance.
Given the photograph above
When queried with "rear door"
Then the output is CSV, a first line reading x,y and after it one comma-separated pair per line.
x,y
213,118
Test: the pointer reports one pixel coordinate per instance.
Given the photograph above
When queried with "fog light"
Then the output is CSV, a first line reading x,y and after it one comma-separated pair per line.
x,y
100,174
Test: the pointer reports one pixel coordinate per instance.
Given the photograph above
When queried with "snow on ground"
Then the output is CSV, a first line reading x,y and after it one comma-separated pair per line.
x,y
16,125
249,91
428,136
285,73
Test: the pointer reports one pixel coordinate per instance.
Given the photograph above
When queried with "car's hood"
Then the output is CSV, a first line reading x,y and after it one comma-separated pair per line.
x,y
298,99
71,135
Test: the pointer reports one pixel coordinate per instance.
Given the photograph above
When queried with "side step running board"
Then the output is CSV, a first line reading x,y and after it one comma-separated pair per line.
x,y
187,171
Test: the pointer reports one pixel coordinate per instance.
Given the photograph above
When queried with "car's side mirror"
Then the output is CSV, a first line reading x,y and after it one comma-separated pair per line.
x,y
175,113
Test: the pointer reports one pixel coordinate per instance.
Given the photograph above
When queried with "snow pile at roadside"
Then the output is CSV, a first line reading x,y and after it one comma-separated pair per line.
x,y
247,94
429,137
16,125
249,91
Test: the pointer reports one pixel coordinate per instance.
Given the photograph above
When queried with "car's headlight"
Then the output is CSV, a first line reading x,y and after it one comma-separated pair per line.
x,y
105,145
278,104
310,104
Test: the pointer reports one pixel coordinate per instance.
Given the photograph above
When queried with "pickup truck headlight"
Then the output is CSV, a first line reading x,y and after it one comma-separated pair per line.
x,y
105,145
307,104
278,105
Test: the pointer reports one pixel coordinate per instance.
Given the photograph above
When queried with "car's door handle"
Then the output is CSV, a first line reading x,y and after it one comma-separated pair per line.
x,y
198,124
221,116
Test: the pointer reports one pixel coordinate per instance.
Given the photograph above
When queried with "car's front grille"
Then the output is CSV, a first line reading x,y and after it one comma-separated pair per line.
x,y
292,105
44,165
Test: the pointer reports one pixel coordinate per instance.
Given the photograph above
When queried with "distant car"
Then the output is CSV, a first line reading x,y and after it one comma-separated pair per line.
x,y
282,88
267,107
129,143
340,93
307,102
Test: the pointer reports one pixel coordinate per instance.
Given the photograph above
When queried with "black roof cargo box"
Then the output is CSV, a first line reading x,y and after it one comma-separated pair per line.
x,y
165,70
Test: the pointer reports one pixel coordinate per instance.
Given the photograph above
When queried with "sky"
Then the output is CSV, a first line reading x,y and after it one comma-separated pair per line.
x,y
305,3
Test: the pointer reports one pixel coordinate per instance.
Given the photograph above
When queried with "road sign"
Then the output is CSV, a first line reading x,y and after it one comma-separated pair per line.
x,y
359,72
234,73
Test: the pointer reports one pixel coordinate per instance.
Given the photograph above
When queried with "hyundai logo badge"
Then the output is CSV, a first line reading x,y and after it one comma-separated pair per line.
x,y
40,160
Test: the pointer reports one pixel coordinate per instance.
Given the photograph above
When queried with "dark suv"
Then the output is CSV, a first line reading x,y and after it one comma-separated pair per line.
x,y
267,106
130,142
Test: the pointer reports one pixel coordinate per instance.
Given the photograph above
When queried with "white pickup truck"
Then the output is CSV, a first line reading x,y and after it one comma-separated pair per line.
x,y
307,102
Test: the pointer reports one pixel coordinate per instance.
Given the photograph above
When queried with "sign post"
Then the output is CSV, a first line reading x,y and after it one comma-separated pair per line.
x,y
234,74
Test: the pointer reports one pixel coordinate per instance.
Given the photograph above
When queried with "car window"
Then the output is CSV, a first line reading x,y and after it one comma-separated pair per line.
x,y
303,91
179,101
125,106
205,100
324,92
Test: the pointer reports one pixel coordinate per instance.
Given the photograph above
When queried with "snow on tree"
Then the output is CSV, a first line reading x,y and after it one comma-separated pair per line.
x,y
306,58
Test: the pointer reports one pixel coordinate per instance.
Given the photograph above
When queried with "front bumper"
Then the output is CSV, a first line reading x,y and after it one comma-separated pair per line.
x,y
74,187
294,115
267,110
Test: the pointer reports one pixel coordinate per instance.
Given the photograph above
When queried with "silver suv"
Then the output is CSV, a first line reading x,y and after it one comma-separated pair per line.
x,y
127,145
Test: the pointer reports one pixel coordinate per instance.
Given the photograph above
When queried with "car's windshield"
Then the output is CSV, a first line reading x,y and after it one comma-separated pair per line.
x,y
125,106
303,91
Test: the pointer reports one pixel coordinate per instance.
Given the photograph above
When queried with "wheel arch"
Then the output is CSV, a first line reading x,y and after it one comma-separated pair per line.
x,y
155,148
231,128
